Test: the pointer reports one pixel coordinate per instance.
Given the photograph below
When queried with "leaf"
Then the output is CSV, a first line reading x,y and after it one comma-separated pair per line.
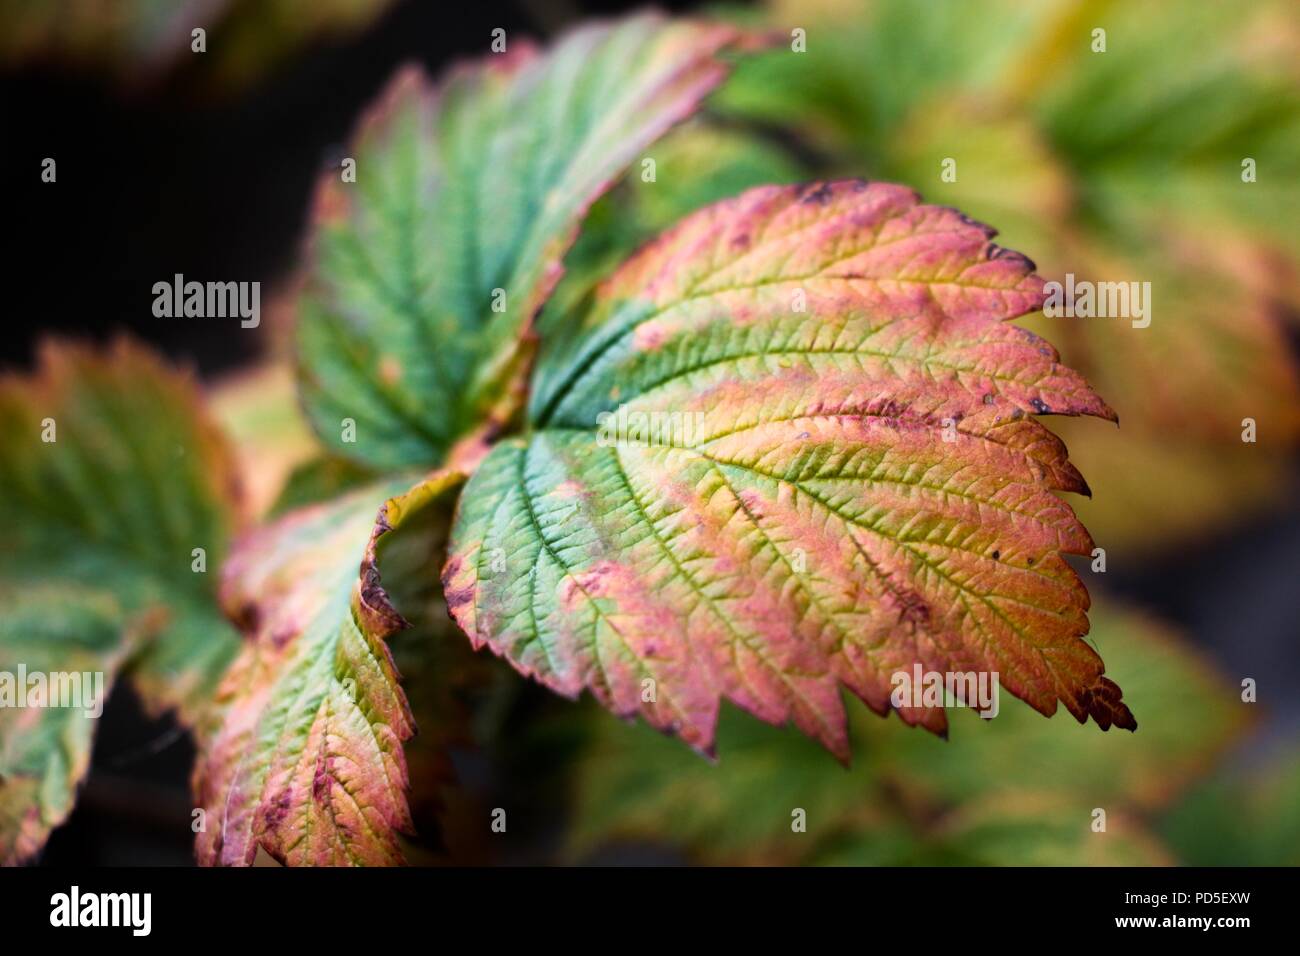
x,y
1022,829
308,762
428,270
1241,817
136,479
62,634
800,523
909,796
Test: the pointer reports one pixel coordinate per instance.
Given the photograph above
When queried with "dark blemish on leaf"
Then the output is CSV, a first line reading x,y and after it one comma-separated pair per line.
x,y
1040,406
996,554
247,616
456,598
819,193
1030,562
994,251
988,398
284,634
320,784
913,609
278,809
989,231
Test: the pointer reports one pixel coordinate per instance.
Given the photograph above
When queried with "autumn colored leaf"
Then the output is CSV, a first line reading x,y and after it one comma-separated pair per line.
x,y
797,451
308,761
910,797
115,479
415,326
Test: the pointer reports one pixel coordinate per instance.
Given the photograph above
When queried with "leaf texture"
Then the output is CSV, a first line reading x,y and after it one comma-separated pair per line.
x,y
796,451
308,763
428,270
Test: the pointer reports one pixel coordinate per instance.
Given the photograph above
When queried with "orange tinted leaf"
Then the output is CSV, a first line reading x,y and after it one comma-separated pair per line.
x,y
796,451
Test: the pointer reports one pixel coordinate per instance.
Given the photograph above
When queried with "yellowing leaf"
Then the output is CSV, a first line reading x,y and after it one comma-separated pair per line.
x,y
429,268
795,452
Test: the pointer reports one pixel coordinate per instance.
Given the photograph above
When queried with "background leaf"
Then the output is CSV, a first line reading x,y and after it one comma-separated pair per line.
x,y
98,559
137,479
1011,790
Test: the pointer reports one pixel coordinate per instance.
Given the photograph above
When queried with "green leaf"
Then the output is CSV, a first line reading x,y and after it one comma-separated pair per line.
x,y
113,477
308,761
427,271
1022,829
134,482
73,638
796,451
1244,816
910,798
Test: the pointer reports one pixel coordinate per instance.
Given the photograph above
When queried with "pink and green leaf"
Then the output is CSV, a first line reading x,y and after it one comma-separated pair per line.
x,y
428,270
308,761
854,481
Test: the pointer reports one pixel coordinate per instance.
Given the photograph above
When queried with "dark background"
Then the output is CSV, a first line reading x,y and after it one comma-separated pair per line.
x,y
169,178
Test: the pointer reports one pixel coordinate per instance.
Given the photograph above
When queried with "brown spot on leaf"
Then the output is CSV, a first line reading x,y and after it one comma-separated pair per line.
x,y
819,193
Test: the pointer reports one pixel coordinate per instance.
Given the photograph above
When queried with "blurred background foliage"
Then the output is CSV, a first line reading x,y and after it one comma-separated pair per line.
x,y
141,41
1117,166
